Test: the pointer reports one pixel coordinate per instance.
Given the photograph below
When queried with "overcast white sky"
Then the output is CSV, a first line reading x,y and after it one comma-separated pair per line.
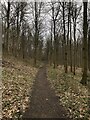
x,y
46,0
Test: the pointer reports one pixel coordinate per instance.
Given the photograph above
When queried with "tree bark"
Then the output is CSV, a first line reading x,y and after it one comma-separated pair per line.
x,y
51,47
89,50
8,25
70,40
36,34
74,27
84,76
64,39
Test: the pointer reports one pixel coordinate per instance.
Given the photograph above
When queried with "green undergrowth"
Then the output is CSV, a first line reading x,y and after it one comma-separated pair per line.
x,y
71,93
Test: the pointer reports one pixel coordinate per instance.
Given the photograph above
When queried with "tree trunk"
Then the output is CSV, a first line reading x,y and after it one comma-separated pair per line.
x,y
68,32
17,30
51,47
74,42
70,40
84,76
89,49
54,45
8,25
64,39
89,37
23,46
36,34
74,48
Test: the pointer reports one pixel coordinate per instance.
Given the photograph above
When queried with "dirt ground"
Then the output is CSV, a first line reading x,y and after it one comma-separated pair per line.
x,y
44,102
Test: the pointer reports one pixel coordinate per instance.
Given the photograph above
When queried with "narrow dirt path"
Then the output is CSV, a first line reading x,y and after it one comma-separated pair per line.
x,y
44,103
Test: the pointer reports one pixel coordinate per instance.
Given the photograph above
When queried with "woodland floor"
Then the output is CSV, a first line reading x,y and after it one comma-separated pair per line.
x,y
17,77
44,103
42,92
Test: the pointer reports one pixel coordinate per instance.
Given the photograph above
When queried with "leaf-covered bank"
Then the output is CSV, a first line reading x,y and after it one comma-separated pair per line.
x,y
72,94
18,79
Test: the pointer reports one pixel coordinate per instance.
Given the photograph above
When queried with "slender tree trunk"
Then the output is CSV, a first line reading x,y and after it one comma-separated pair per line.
x,y
68,32
3,39
84,76
23,45
54,45
74,42
70,41
47,51
36,34
17,46
12,42
89,49
64,39
74,49
89,60
54,33
51,47
8,25
30,43
57,50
